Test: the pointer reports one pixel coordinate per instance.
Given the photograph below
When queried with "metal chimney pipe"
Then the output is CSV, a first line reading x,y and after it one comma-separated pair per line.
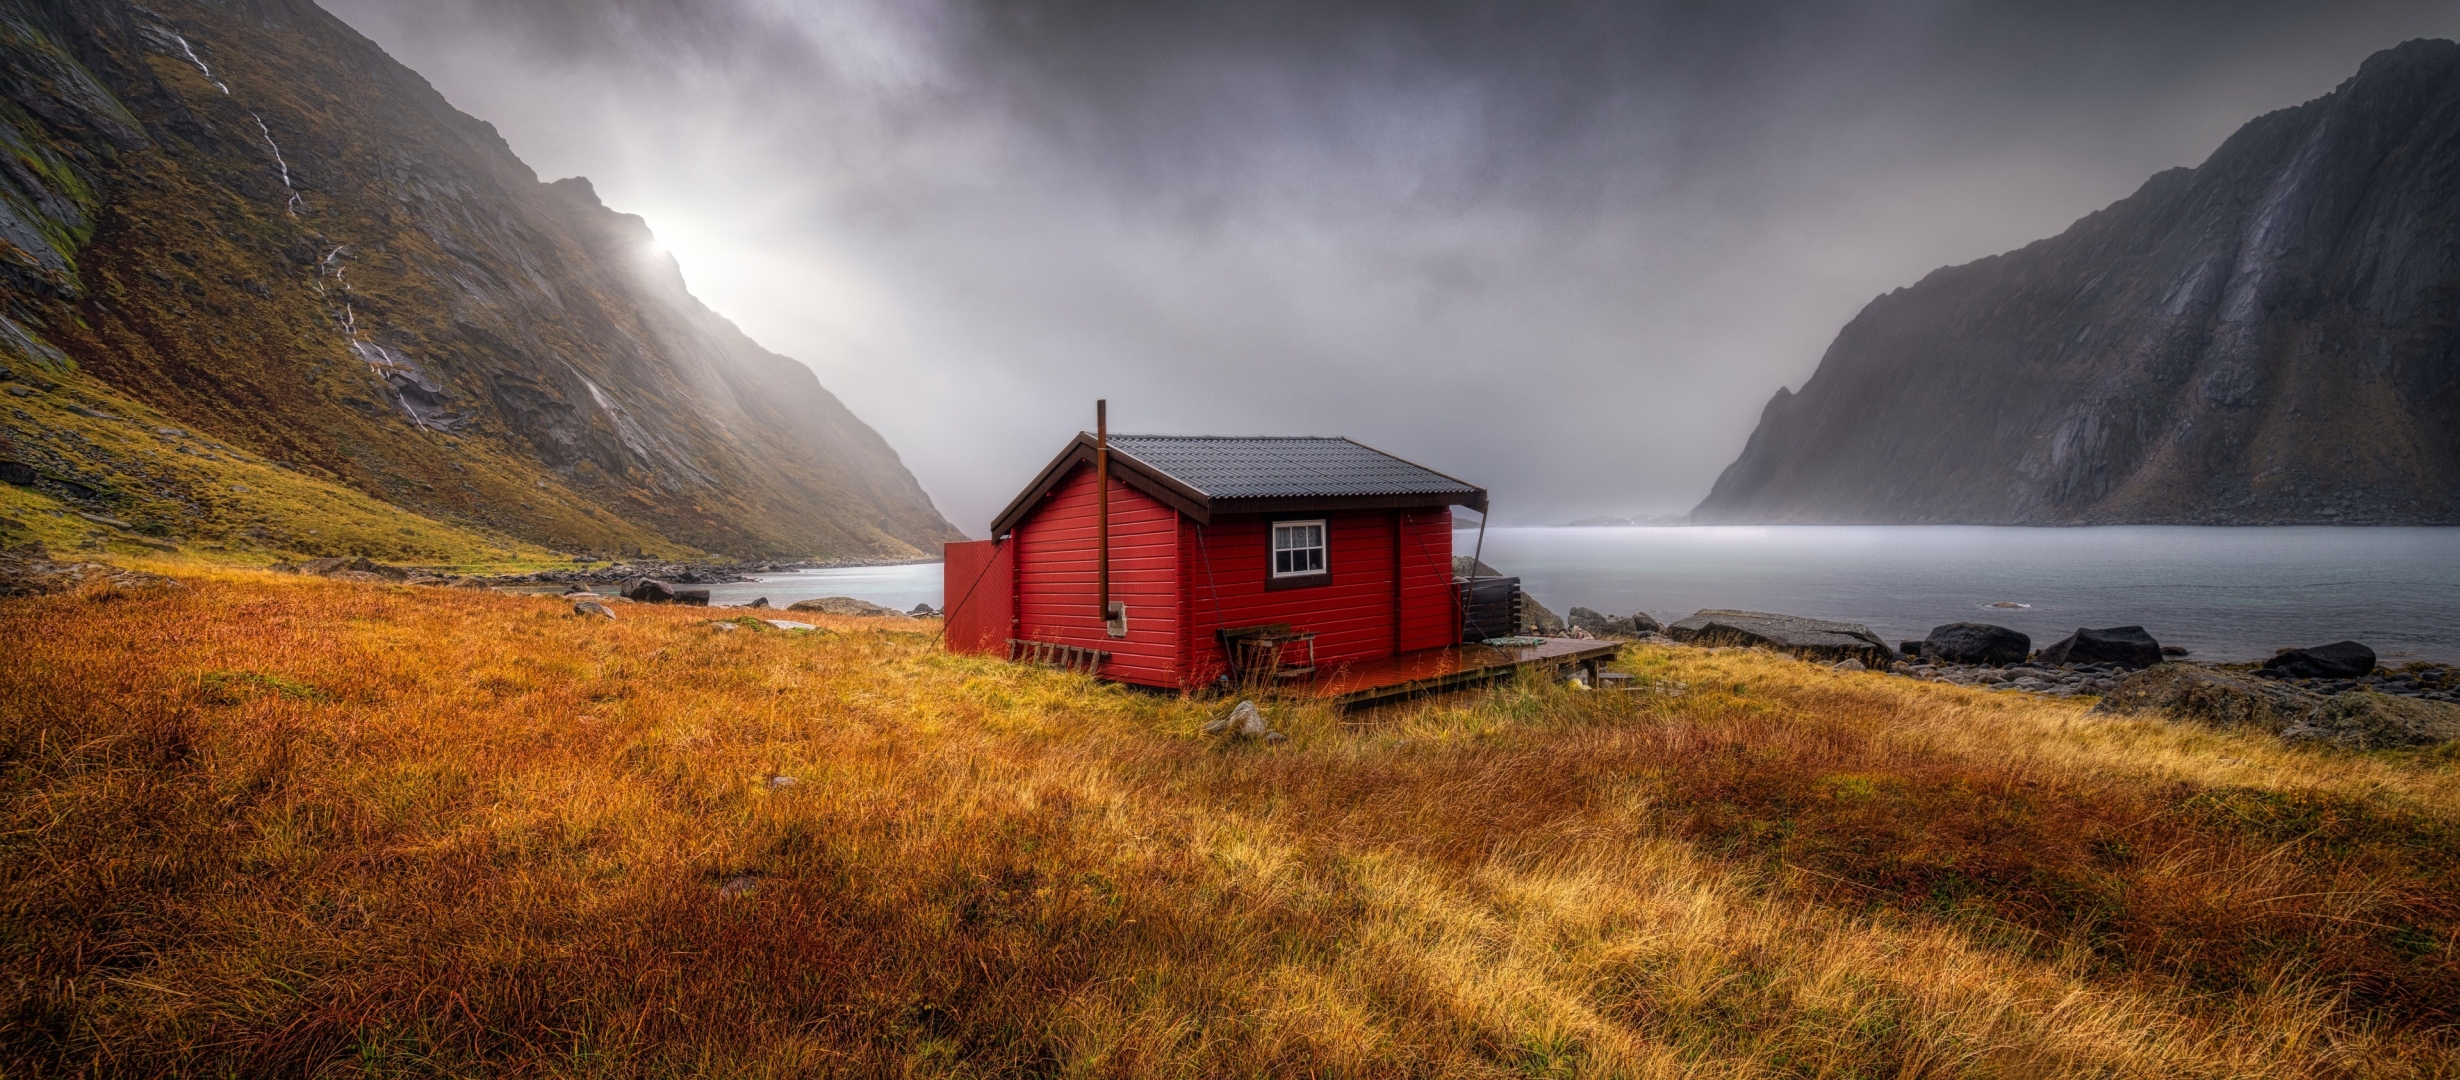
x,y
1101,502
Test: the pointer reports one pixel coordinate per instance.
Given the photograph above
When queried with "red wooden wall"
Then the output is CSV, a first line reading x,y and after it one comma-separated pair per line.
x,y
1368,610
978,589
1056,585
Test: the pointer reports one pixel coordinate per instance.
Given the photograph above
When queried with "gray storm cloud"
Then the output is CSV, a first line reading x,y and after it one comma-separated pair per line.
x,y
1565,250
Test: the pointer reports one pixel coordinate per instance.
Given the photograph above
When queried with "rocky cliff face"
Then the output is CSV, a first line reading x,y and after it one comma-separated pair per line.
x,y
249,218
2271,337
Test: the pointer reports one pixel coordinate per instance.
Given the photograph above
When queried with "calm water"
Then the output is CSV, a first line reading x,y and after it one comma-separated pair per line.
x,y
2224,593
900,587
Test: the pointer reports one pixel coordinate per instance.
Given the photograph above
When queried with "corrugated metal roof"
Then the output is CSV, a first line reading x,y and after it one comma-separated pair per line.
x,y
1280,467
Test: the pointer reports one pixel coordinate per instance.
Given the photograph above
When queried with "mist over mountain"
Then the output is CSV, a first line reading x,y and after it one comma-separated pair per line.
x,y
2271,337
249,218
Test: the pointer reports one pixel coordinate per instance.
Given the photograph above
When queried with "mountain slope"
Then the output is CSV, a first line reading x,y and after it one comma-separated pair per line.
x,y
2271,337
245,216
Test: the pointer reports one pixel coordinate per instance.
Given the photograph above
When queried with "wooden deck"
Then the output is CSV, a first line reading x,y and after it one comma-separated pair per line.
x,y
1425,671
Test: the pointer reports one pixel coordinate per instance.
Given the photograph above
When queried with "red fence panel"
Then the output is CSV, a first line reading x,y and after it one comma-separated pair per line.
x,y
979,592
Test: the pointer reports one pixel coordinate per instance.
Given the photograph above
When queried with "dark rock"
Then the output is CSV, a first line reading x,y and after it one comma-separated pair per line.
x,y
592,609
1976,643
1810,639
2126,646
760,602
18,473
2338,660
2173,650
1910,647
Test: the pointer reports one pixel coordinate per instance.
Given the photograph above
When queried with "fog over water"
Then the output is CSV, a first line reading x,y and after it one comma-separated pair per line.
x,y
1563,250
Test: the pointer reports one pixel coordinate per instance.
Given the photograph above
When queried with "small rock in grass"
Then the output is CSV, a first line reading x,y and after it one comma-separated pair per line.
x,y
1244,721
725,626
782,781
790,624
588,608
738,885
1849,665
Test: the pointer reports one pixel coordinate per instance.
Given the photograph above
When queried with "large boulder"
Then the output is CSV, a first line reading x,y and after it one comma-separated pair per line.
x,y
846,605
1811,639
652,591
2338,660
2126,646
1976,643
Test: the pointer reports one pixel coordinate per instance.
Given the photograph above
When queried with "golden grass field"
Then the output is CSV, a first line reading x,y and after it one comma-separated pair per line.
x,y
264,826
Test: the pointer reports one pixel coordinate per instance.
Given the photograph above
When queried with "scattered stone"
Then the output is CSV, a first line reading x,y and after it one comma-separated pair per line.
x,y
1976,643
591,607
2173,650
2127,646
1810,639
1850,665
846,605
782,781
738,885
924,611
725,627
789,624
2338,660
761,602
29,571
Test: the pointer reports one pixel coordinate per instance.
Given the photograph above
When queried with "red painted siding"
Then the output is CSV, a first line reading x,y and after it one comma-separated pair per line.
x,y
1355,617
1056,585
978,585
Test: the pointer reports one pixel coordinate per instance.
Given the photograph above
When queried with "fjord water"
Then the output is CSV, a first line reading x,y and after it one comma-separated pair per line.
x,y
899,586
2223,593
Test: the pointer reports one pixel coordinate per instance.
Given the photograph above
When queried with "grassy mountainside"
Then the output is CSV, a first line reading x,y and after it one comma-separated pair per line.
x,y
268,826
251,221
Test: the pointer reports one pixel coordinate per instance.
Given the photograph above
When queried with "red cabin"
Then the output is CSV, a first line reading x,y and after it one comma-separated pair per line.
x,y
1257,557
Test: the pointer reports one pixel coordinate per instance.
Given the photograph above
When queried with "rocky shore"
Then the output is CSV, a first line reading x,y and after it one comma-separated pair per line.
x,y
2337,694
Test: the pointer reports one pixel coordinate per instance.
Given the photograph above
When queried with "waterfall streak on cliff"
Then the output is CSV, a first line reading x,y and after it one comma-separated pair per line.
x,y
200,64
293,206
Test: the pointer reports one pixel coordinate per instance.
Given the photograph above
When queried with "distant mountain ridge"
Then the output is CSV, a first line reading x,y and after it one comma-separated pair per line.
x,y
2271,337
246,216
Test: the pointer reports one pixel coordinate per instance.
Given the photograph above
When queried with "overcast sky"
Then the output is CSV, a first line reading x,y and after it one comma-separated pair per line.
x,y
1564,250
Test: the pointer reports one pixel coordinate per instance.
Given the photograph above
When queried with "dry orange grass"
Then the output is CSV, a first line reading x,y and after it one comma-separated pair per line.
x,y
270,826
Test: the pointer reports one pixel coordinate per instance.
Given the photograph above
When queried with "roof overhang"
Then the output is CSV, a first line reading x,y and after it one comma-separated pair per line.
x,y
1196,504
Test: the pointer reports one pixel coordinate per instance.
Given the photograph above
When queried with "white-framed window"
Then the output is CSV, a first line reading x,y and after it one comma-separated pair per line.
x,y
1298,548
